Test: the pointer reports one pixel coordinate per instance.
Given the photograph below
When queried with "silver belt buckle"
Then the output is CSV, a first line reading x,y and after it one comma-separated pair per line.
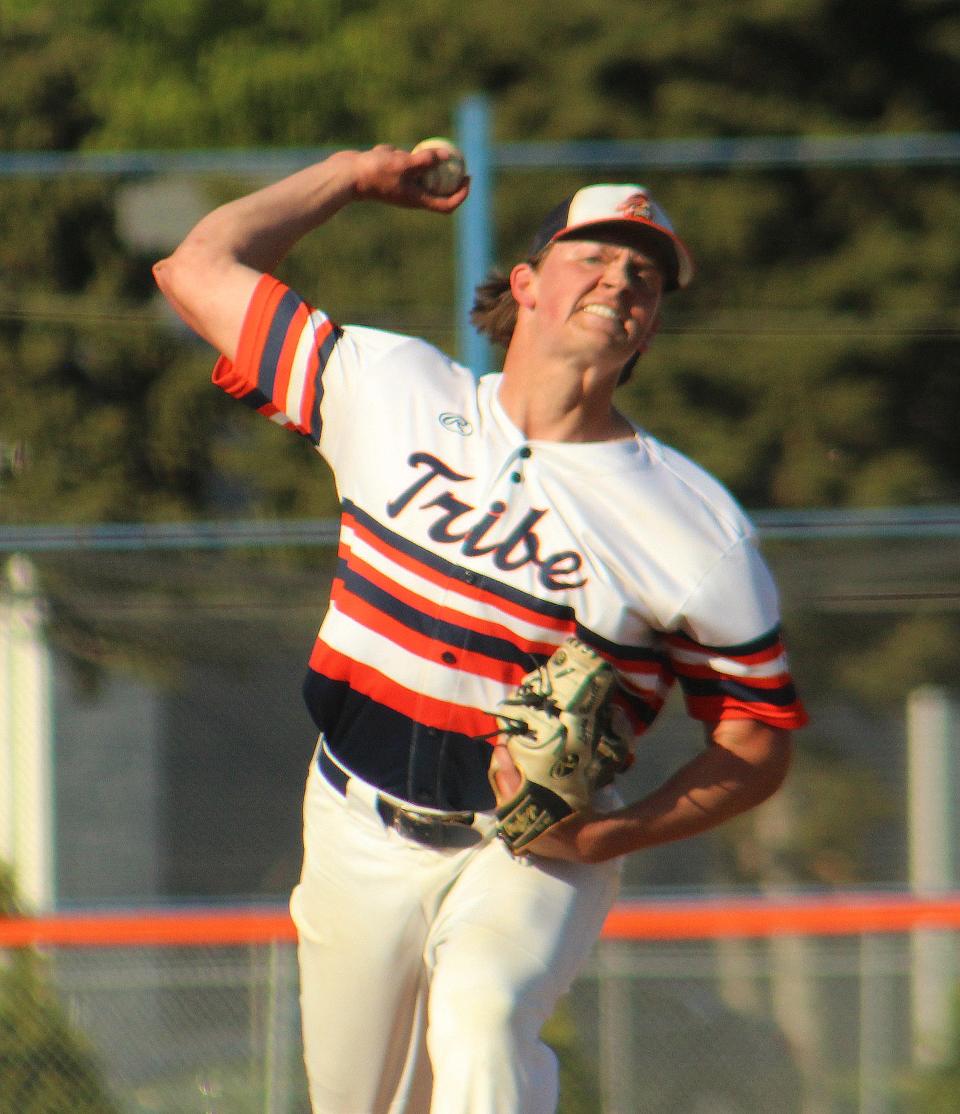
x,y
453,830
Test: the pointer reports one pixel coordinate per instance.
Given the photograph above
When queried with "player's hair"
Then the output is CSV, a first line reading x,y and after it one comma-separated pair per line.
x,y
495,309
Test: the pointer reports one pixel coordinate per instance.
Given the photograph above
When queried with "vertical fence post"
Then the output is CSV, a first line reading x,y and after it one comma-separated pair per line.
x,y
474,224
933,727
615,993
279,1032
273,1006
26,798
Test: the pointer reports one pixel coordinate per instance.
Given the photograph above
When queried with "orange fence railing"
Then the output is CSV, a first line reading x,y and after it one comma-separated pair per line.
x,y
835,915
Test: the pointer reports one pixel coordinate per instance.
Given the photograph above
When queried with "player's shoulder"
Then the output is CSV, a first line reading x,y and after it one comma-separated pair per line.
x,y
690,487
401,354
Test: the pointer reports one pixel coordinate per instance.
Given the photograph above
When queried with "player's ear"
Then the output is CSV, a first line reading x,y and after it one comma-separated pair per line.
x,y
523,279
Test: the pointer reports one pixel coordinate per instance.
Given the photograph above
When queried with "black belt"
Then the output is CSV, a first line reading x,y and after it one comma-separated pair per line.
x,y
453,830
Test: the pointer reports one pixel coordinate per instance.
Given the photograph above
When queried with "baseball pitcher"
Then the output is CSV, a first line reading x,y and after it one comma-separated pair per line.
x,y
523,575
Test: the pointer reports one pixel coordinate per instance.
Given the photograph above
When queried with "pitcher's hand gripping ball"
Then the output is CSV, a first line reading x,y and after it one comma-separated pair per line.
x,y
566,738
444,177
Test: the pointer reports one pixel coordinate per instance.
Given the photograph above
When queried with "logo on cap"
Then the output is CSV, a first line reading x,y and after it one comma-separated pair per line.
x,y
637,206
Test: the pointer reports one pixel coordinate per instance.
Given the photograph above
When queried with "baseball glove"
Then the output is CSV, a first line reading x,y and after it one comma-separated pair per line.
x,y
566,738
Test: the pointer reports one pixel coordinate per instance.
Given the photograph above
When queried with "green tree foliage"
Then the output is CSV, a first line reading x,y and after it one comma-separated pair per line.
x,y
579,1090
90,386
937,1090
45,1068
811,364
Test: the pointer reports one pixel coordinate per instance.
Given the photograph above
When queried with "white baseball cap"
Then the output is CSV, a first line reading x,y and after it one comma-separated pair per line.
x,y
630,210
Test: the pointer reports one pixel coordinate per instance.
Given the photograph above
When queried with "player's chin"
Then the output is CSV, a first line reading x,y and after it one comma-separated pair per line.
x,y
617,340
610,351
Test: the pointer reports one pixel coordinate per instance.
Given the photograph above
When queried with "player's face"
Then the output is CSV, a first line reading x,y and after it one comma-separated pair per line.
x,y
601,298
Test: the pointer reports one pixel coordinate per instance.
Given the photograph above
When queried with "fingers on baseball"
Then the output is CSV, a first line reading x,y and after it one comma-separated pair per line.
x,y
441,203
441,172
419,195
447,204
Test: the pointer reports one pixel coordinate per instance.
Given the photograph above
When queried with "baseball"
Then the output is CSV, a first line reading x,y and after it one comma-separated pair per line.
x,y
445,177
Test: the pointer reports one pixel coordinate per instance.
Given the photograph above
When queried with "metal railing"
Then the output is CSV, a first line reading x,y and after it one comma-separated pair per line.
x,y
781,1005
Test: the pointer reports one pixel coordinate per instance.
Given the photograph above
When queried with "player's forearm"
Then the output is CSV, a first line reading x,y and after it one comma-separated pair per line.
x,y
720,783
711,789
259,230
210,277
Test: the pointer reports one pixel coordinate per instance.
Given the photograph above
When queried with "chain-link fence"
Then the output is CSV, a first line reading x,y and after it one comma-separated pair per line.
x,y
154,741
192,1030
131,1030
776,1023
153,748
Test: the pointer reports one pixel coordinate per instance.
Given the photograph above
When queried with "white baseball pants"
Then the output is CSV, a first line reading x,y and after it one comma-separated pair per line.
x,y
426,974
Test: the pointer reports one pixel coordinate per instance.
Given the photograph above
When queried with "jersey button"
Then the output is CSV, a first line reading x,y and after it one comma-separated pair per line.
x,y
515,477
448,657
526,452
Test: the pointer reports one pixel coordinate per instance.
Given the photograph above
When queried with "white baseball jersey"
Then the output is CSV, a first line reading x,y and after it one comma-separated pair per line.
x,y
468,553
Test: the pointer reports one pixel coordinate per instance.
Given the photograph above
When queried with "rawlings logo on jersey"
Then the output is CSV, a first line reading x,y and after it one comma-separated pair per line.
x,y
456,422
456,521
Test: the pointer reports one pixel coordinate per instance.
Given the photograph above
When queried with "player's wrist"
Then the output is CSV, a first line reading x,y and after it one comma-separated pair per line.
x,y
376,172
345,168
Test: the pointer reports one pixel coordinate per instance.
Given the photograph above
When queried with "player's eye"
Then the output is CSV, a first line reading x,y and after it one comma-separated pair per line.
x,y
646,279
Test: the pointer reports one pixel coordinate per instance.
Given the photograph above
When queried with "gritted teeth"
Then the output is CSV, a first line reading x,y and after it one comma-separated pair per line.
x,y
602,311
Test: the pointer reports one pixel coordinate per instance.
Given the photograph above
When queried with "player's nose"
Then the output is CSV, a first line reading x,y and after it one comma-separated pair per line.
x,y
619,272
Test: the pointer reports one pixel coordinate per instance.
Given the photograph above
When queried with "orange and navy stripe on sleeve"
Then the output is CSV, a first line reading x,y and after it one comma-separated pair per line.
x,y
285,345
750,681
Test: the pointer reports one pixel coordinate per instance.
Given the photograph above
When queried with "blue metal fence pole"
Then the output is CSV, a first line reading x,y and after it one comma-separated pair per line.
x,y
474,253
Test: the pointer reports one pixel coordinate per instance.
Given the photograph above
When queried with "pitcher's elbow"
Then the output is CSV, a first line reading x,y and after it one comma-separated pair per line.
x,y
160,271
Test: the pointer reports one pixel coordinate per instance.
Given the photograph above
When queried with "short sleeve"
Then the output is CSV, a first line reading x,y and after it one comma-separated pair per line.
x,y
284,352
727,648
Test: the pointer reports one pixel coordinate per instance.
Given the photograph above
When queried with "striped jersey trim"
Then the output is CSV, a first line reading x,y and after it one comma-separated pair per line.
x,y
749,681
387,586
284,349
414,643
